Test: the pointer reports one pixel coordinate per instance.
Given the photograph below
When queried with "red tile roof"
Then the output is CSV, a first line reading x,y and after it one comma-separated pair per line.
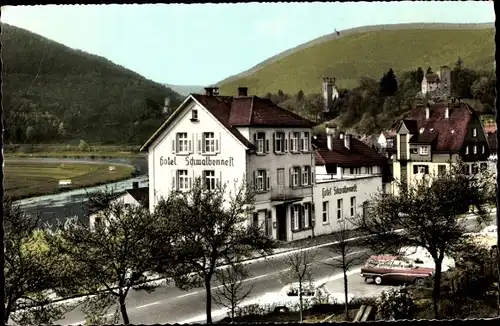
x,y
448,134
242,111
358,155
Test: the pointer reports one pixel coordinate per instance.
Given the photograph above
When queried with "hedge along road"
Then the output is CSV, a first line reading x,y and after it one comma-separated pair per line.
x,y
70,203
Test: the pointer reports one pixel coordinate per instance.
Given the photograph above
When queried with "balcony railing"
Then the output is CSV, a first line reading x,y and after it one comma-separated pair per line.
x,y
282,192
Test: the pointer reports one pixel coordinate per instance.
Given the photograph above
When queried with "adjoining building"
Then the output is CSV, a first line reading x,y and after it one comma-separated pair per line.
x,y
433,135
438,84
348,173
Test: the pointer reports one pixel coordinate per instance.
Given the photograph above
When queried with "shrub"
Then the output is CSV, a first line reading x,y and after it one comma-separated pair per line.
x,y
83,146
395,304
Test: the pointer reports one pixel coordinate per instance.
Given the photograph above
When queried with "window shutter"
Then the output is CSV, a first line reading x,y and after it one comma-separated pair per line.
x,y
302,216
301,142
310,176
290,140
292,218
173,146
254,180
274,142
190,182
255,139
426,169
267,144
191,144
291,177
219,180
285,142
203,142
415,169
217,143
300,175
173,180
199,143
310,213
268,180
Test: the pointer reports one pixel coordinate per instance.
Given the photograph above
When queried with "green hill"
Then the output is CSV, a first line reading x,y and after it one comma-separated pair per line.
x,y
368,51
52,93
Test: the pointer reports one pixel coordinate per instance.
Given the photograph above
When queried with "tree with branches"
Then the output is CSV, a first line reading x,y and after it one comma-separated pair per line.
x,y
232,291
345,255
431,212
31,269
210,228
299,270
114,255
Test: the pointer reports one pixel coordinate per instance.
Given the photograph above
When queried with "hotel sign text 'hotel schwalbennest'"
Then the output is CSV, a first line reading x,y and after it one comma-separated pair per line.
x,y
191,161
338,190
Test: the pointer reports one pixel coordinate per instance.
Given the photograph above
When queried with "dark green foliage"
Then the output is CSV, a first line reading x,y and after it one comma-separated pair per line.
x,y
388,85
52,93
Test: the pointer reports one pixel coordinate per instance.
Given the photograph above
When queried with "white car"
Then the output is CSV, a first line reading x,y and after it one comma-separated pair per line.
x,y
421,257
288,297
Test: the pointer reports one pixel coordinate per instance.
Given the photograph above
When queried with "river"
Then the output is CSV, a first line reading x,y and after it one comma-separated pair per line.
x,y
70,203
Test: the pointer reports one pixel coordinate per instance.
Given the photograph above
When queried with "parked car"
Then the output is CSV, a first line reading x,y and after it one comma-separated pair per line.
x,y
287,299
382,269
421,257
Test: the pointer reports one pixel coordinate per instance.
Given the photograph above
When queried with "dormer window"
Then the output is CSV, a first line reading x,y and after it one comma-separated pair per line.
x,y
474,132
194,115
424,150
422,130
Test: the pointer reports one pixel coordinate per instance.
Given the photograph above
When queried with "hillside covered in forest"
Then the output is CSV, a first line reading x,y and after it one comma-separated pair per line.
x,y
52,93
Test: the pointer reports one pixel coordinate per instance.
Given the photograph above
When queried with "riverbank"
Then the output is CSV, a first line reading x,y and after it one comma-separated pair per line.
x,y
26,178
80,151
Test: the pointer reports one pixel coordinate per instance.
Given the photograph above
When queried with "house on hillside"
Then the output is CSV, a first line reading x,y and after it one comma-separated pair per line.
x,y
432,135
491,134
330,95
135,196
438,84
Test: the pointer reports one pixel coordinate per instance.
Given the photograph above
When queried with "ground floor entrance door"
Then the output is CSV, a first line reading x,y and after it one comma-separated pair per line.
x,y
281,222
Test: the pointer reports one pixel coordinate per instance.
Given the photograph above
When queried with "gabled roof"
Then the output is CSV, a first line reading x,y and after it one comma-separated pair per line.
x,y
140,194
447,133
411,125
233,112
358,155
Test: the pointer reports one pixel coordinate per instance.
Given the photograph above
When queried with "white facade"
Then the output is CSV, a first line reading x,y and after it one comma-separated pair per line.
x,y
125,198
338,201
188,149
441,84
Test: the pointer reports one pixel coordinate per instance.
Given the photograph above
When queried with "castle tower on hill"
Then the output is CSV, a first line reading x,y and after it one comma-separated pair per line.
x,y
330,93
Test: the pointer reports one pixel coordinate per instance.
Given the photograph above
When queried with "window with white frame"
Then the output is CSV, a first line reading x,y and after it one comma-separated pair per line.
x,y
209,177
182,180
307,215
466,150
182,142
261,140
208,142
482,149
305,142
369,170
294,142
474,132
194,114
424,150
475,149
306,170
296,217
353,206
261,177
325,211
279,142
339,208
295,176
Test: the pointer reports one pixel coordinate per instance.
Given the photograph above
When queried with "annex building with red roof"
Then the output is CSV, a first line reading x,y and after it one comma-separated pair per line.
x,y
232,139
432,135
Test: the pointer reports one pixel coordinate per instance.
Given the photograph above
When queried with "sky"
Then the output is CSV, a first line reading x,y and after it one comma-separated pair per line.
x,y
205,43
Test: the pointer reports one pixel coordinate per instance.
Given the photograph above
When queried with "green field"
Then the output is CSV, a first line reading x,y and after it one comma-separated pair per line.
x,y
368,54
72,151
27,179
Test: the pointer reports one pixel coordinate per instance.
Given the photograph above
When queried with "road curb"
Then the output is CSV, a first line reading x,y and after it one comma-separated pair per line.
x,y
249,261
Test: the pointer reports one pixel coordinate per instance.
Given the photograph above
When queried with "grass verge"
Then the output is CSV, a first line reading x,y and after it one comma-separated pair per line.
x,y
25,179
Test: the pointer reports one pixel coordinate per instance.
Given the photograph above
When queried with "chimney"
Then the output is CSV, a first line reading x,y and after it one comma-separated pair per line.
x,y
209,91
216,91
135,185
339,172
427,111
330,135
242,91
447,112
347,141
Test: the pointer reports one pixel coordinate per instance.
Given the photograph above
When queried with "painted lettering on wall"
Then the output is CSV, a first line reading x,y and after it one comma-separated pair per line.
x,y
191,161
338,190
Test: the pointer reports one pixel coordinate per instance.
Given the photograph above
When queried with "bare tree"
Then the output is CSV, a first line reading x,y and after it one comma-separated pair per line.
x,y
232,290
211,229
431,212
299,270
345,255
114,255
